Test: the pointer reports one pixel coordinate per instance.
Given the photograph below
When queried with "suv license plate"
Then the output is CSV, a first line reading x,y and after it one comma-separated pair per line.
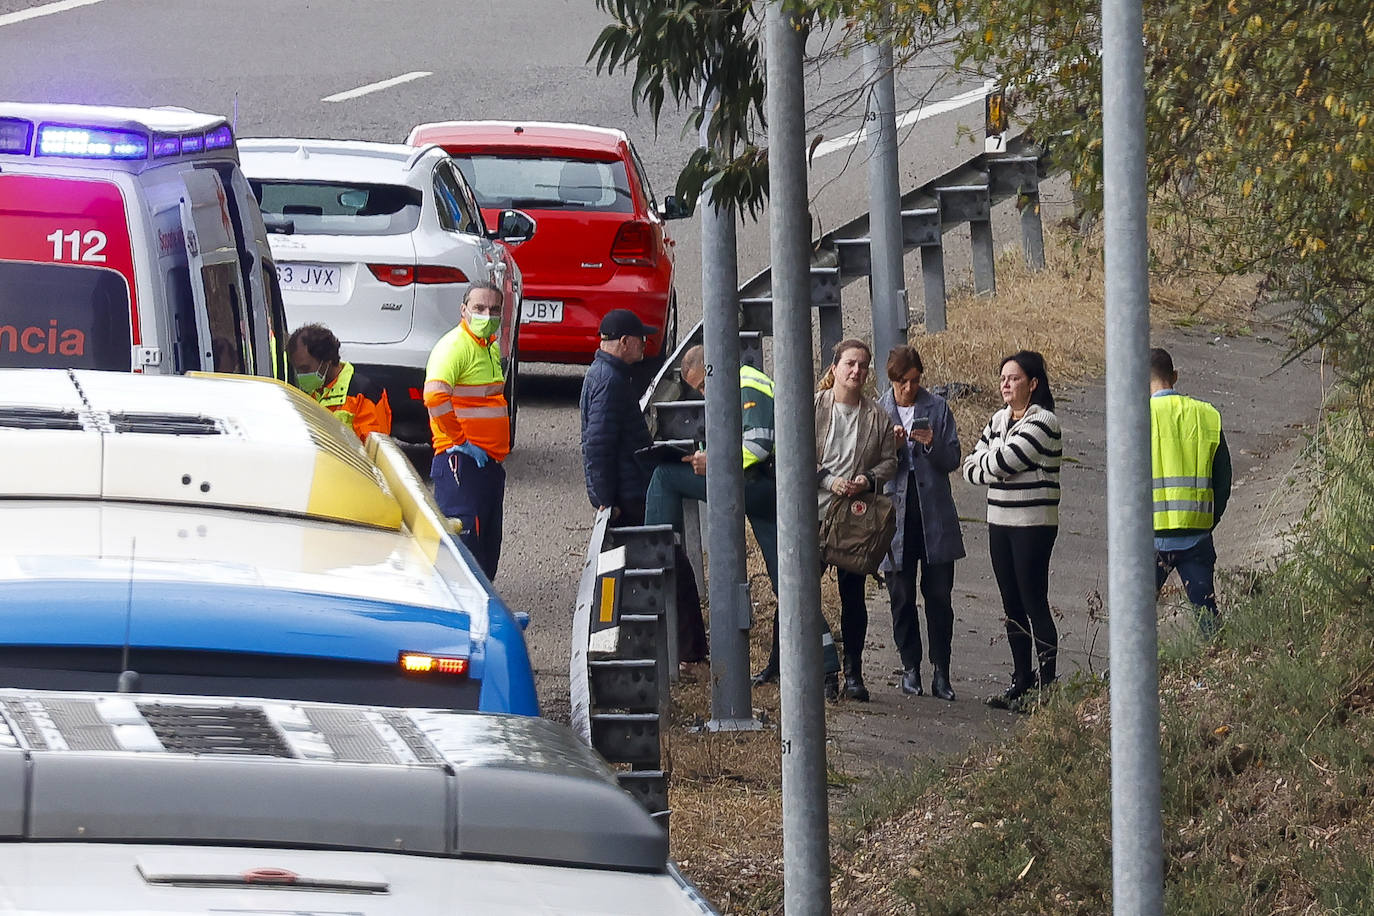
x,y
310,278
550,310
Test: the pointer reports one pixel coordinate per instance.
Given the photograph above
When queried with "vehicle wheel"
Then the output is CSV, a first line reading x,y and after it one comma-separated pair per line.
x,y
513,383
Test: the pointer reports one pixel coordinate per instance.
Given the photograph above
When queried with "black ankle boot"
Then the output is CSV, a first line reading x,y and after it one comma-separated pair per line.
x,y
939,685
1007,699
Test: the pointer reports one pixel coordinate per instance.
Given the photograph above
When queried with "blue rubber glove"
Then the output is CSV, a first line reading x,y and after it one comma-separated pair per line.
x,y
472,451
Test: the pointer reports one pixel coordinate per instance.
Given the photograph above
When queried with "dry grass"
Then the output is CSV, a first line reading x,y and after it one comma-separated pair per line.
x,y
726,793
1059,312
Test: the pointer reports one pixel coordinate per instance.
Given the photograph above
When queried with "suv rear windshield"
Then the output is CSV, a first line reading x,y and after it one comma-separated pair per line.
x,y
320,208
547,183
63,316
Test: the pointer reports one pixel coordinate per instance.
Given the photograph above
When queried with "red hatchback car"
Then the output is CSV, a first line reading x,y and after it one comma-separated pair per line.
x,y
601,243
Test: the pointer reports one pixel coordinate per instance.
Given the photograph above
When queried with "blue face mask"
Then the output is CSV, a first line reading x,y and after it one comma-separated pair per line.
x,y
484,326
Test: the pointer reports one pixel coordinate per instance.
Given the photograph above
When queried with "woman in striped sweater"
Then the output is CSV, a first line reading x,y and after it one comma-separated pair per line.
x,y
1018,458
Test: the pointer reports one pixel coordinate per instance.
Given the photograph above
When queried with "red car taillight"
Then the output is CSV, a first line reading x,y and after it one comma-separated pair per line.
x,y
404,274
634,244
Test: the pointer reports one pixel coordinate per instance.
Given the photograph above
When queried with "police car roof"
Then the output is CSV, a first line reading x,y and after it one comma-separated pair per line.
x,y
156,769
228,441
80,556
290,159
159,120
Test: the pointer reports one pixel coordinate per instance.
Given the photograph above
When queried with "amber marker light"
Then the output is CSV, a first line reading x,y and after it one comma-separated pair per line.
x,y
421,663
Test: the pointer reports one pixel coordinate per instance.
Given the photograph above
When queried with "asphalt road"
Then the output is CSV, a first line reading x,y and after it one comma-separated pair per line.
x,y
270,63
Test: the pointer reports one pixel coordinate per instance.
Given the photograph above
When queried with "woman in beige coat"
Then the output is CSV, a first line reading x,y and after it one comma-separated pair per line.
x,y
855,453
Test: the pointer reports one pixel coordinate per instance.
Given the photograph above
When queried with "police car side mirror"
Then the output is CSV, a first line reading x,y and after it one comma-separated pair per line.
x,y
514,226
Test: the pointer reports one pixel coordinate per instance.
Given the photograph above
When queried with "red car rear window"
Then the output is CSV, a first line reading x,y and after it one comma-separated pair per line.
x,y
547,183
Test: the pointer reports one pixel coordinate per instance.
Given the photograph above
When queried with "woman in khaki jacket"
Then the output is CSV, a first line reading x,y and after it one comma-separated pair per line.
x,y
855,453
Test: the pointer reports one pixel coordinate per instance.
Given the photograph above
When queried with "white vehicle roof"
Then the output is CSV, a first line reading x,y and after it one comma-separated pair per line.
x,y
162,120
227,441
196,804
146,138
288,159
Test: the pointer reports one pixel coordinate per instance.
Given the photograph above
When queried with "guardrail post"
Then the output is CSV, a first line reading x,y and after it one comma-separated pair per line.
x,y
933,286
1032,230
984,256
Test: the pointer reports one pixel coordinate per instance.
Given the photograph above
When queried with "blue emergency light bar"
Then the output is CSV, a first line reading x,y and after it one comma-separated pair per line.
x,y
72,141
81,141
15,136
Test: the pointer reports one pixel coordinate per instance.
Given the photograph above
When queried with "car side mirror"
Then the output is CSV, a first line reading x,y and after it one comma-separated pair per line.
x,y
673,208
514,226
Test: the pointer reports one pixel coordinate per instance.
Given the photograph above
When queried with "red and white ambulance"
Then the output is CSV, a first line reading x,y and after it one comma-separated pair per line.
x,y
130,240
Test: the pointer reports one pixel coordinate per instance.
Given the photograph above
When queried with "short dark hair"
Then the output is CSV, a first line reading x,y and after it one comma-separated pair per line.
x,y
485,284
902,360
318,341
1162,365
1033,364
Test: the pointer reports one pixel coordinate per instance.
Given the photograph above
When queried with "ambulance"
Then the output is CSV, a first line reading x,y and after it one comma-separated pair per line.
x,y
131,241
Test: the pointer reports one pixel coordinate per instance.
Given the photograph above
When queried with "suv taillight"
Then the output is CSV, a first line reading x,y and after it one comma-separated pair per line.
x,y
405,275
634,244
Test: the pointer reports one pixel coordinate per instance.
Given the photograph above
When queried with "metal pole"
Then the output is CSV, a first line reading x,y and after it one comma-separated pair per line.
x,y
1137,823
888,279
731,706
805,819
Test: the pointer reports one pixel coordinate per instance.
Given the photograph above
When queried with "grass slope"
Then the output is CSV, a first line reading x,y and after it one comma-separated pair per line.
x,y
1267,740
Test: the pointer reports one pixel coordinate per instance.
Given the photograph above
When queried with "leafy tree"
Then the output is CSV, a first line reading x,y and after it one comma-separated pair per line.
x,y
1258,119
686,52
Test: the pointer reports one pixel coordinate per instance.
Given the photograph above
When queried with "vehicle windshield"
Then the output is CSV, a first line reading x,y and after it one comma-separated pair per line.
x,y
547,183
63,316
326,208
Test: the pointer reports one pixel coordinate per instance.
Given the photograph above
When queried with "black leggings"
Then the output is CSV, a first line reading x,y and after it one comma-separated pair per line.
x,y
1021,563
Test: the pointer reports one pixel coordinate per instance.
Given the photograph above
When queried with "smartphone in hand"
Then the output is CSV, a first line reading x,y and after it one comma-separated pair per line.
x,y
920,423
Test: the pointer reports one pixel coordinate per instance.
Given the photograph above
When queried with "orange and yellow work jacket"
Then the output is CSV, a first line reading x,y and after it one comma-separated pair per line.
x,y
465,393
357,402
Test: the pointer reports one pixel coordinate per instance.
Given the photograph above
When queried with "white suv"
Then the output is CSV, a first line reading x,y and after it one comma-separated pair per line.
x,y
379,242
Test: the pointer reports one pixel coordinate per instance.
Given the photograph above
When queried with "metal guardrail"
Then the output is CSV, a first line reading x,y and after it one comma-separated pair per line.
x,y
965,194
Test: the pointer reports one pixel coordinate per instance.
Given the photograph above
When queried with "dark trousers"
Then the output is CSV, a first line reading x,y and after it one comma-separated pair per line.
x,y
937,584
1196,567
1021,563
672,483
691,629
476,497
853,619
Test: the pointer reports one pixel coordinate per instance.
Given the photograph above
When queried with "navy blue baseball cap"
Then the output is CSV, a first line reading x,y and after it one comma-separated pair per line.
x,y
620,323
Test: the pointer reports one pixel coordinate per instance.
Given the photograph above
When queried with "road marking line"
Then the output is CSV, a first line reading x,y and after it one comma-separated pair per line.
x,y
61,6
919,113
370,87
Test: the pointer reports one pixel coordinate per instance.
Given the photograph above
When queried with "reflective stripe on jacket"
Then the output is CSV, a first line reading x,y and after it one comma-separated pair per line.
x,y
357,402
465,393
1185,434
756,403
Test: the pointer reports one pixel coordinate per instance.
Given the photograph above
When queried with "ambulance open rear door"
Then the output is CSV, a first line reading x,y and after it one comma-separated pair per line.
x,y
223,332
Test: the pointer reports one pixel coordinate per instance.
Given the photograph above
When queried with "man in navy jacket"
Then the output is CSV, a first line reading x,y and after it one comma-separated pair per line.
x,y
613,428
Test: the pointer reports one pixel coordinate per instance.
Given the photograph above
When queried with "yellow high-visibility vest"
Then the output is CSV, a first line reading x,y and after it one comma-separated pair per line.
x,y
1184,436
